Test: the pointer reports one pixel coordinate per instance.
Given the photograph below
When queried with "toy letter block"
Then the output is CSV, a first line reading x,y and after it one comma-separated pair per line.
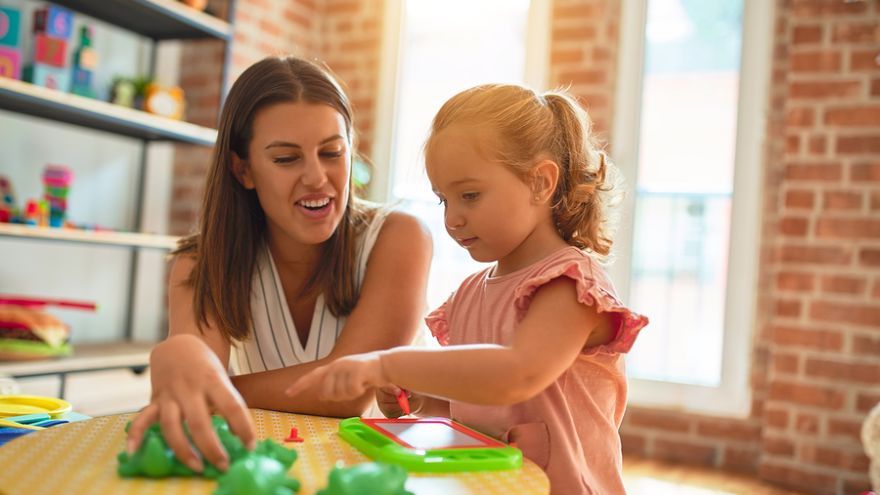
x,y
48,76
10,62
49,51
10,25
54,22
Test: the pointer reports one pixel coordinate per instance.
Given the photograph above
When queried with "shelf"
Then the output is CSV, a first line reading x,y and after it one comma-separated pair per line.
x,y
156,19
85,357
37,101
126,239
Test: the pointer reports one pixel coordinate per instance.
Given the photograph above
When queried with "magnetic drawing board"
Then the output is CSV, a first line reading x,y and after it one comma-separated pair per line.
x,y
428,445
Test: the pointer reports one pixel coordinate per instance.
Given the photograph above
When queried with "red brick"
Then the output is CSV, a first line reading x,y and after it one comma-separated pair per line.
x,y
843,284
579,33
868,346
342,7
864,60
866,172
589,11
789,308
856,314
813,172
777,418
794,227
845,428
565,56
875,200
818,61
583,77
777,446
858,144
800,117
799,199
855,32
806,394
801,477
819,9
875,87
847,228
728,429
786,363
842,200
657,420
869,257
817,145
792,144
808,338
846,372
861,116
743,460
865,401
806,34
687,452
795,281
824,89
806,423
823,255
633,444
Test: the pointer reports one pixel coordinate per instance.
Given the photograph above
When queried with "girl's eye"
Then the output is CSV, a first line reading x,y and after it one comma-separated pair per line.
x,y
285,159
470,196
332,154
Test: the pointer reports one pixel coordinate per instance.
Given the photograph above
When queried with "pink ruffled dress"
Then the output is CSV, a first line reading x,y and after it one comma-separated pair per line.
x,y
571,428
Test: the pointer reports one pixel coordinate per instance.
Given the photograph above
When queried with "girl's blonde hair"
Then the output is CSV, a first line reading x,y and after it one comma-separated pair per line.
x,y
527,127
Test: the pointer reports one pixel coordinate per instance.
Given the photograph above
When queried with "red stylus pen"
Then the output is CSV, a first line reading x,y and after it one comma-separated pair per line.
x,y
33,302
403,401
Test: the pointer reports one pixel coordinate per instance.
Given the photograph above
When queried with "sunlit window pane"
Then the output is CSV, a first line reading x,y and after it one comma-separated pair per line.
x,y
684,186
447,47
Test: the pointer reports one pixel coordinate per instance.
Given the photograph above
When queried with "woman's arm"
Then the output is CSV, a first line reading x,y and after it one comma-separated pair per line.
x,y
388,313
547,341
189,380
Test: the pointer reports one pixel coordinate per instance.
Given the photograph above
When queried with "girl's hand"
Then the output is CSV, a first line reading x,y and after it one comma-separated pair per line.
x,y
386,399
189,382
346,378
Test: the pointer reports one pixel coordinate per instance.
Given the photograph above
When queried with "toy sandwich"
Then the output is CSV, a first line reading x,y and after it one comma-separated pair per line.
x,y
27,332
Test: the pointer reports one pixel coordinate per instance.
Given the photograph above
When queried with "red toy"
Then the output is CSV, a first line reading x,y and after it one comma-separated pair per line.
x,y
293,436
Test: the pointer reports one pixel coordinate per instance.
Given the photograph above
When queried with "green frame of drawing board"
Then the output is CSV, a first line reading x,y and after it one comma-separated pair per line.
x,y
380,444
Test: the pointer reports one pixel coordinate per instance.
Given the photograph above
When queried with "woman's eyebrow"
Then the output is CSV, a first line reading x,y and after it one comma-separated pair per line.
x,y
288,144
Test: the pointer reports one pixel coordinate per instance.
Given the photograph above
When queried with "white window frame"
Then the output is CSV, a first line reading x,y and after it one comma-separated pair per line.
x,y
733,396
536,73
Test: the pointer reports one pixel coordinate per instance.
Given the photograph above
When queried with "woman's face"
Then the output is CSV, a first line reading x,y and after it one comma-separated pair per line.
x,y
299,164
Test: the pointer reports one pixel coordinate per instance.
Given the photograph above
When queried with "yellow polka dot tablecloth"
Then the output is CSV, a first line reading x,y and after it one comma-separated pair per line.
x,y
80,458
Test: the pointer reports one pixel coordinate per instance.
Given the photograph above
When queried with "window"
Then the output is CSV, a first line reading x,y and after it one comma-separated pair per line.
x,y
688,131
433,50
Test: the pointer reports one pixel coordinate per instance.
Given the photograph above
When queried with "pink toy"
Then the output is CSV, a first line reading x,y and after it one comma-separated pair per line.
x,y
10,62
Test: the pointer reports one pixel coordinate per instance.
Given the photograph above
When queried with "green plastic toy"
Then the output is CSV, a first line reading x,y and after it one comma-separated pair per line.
x,y
263,471
374,478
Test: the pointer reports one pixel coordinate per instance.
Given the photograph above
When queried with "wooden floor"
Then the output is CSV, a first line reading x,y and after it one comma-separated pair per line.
x,y
648,477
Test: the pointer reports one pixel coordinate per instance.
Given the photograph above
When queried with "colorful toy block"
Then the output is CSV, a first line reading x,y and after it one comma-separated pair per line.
x,y
49,50
54,22
47,76
10,26
10,62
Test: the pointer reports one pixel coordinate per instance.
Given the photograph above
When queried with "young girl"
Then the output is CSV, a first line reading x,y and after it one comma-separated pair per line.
x,y
534,344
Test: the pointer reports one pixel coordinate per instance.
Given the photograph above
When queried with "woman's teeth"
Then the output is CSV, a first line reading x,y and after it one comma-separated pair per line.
x,y
315,203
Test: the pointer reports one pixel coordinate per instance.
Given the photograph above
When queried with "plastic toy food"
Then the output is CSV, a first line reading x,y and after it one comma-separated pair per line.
x,y
257,475
154,459
375,478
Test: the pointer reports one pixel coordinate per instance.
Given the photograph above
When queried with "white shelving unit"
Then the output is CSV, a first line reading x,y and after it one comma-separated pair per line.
x,y
157,20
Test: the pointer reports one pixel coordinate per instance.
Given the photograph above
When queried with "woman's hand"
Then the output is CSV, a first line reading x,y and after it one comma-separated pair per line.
x,y
346,378
189,382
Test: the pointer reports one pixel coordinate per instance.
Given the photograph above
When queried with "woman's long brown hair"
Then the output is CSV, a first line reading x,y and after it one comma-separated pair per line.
x,y
232,225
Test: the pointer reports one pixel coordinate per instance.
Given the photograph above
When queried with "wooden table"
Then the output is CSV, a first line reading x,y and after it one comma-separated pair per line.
x,y
80,458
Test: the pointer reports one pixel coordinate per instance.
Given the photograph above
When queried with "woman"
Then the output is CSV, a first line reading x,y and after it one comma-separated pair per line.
x,y
288,270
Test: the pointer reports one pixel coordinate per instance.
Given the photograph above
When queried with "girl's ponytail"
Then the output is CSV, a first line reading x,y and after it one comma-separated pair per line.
x,y
578,206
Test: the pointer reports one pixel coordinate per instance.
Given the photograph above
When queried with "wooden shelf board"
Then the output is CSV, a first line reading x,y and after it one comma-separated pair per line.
x,y
126,239
156,19
37,101
110,355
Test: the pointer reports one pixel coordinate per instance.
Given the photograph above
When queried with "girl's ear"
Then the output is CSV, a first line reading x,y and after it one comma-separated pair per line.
x,y
544,178
241,169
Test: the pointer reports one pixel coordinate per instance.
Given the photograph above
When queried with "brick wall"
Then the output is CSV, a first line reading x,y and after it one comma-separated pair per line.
x,y
816,354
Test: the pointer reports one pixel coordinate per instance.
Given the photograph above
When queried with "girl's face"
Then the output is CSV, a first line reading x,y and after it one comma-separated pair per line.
x,y
299,165
488,210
